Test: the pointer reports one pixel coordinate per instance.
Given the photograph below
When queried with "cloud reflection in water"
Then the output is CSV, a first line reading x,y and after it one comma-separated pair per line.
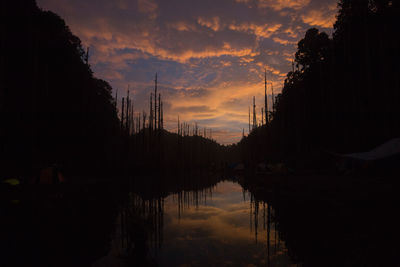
x,y
219,231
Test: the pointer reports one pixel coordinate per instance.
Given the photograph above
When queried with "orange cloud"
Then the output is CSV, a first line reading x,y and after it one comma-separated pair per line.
x,y
270,69
321,17
183,26
282,4
282,41
264,31
147,44
220,47
292,32
212,23
226,63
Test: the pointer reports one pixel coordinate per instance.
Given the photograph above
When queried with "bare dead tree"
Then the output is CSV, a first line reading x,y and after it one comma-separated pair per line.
x,y
159,111
254,113
162,116
249,120
151,112
262,116
122,114
155,102
144,119
265,97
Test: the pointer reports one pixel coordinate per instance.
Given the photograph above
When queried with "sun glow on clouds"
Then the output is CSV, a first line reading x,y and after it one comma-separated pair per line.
x,y
210,55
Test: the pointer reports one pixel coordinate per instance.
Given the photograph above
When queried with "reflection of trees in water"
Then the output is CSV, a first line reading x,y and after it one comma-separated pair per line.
x,y
139,228
140,222
262,211
139,225
186,199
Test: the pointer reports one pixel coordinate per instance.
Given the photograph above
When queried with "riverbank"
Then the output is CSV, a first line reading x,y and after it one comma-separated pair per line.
x,y
333,220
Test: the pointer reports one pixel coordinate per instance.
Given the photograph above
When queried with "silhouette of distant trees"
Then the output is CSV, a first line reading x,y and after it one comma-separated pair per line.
x,y
343,94
52,108
54,111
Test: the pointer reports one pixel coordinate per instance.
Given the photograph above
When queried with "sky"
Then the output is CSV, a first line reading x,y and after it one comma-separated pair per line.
x,y
210,55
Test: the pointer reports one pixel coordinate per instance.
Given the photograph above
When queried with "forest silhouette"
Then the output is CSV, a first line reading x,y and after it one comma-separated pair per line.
x,y
342,93
341,96
55,112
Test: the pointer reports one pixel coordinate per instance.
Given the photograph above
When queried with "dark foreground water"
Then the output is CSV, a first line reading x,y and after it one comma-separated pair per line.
x,y
217,226
201,221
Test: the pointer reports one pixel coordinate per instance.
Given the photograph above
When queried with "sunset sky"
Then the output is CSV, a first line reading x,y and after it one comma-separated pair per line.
x,y
210,55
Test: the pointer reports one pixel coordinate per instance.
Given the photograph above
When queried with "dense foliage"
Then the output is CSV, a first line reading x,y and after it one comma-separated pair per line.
x,y
52,108
54,111
343,94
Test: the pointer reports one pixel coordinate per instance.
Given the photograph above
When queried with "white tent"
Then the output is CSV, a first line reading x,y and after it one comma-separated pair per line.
x,y
390,148
383,158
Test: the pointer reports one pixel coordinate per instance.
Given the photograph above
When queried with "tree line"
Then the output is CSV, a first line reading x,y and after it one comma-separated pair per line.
x,y
343,91
150,148
53,110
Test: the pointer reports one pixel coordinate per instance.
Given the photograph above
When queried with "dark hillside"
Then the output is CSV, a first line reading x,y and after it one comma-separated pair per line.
x,y
343,92
53,110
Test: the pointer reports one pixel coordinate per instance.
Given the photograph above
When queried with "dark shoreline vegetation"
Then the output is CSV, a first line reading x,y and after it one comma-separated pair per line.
x,y
342,93
341,96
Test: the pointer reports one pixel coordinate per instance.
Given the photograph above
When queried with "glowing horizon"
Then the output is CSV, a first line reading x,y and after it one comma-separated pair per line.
x,y
210,56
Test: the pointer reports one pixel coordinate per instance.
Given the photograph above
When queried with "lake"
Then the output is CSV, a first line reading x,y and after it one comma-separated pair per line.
x,y
196,221
221,225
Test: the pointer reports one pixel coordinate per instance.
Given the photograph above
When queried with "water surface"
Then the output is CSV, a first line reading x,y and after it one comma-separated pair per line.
x,y
218,226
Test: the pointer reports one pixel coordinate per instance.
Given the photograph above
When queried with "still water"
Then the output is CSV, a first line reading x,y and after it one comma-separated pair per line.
x,y
196,223
193,222
217,226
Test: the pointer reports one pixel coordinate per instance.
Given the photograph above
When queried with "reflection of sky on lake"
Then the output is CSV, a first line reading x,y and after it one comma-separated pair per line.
x,y
217,233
